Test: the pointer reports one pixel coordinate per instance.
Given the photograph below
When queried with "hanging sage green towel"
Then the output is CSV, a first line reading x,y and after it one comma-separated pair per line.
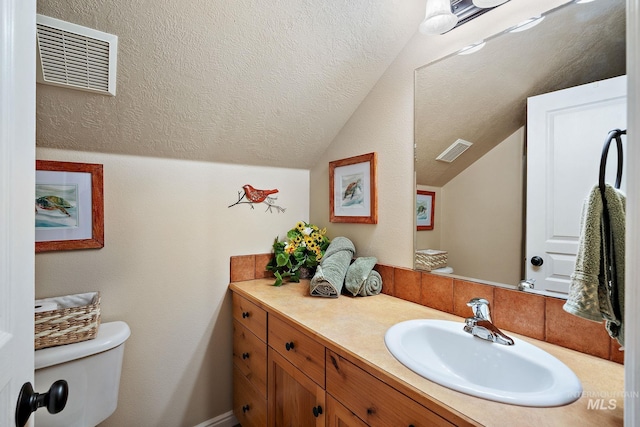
x,y
330,274
360,279
596,290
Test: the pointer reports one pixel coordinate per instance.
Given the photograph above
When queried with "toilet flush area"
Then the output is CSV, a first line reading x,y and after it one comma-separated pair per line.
x,y
78,359
92,371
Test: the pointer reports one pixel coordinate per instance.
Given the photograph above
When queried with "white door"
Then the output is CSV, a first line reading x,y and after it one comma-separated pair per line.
x,y
566,131
17,193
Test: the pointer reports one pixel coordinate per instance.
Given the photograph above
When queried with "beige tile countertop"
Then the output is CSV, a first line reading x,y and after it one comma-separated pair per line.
x,y
355,328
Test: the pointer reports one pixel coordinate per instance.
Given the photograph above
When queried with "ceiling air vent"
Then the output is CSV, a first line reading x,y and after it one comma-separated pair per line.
x,y
452,153
76,57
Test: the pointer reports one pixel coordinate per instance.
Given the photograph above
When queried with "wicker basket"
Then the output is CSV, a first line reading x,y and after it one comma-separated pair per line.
x,y
76,319
430,259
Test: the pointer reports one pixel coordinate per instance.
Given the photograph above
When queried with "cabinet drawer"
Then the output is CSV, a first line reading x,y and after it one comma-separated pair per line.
x,y
375,402
248,406
250,357
250,316
301,350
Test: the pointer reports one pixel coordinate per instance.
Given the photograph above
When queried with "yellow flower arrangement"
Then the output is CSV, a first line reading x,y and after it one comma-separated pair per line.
x,y
305,247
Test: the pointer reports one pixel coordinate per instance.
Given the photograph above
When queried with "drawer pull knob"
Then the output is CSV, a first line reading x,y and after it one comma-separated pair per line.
x,y
245,355
245,408
317,410
289,346
245,314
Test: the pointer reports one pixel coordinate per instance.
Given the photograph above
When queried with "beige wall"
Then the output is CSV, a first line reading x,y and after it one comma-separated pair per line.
x,y
384,123
481,215
165,269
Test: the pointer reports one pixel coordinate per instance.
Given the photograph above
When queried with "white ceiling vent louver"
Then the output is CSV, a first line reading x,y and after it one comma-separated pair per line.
x,y
76,57
454,150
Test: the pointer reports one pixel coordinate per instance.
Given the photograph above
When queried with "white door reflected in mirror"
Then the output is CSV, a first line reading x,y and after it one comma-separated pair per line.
x,y
566,131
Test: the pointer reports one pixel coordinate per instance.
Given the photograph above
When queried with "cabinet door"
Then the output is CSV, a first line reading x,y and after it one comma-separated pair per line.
x,y
294,399
339,416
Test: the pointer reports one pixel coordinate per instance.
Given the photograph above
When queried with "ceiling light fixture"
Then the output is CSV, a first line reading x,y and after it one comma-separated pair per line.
x,y
472,48
484,4
526,25
438,18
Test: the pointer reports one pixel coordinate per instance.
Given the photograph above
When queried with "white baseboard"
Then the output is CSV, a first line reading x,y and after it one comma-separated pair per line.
x,y
224,420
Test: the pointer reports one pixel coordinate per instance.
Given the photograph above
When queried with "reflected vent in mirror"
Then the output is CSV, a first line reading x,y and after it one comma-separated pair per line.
x,y
454,151
76,57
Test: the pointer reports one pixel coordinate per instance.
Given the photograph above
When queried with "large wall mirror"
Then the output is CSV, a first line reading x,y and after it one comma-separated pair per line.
x,y
481,97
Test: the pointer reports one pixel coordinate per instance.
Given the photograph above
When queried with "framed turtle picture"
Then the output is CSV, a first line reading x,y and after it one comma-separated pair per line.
x,y
425,203
69,210
352,190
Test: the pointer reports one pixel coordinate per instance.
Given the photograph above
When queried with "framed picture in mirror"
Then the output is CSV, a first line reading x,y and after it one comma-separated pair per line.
x,y
69,208
352,190
425,202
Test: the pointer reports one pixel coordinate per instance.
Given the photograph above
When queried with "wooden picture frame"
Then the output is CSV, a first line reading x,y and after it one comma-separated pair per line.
x,y
425,207
69,206
353,194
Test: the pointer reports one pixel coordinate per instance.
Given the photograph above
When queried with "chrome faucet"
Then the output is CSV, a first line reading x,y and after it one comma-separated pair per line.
x,y
526,284
480,324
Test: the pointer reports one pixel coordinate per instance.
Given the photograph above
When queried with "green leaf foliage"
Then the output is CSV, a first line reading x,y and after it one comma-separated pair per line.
x,y
304,247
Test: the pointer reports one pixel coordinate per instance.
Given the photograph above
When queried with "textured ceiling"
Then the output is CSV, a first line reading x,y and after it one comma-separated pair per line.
x,y
481,97
246,81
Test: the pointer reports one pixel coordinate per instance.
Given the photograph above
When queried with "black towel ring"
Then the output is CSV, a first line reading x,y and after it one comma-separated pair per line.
x,y
614,134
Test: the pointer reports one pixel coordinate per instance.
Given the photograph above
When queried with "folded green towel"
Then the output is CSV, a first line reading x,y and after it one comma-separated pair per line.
x,y
358,274
330,274
596,290
372,284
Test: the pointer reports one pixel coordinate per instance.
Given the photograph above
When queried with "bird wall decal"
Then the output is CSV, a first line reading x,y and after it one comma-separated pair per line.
x,y
254,195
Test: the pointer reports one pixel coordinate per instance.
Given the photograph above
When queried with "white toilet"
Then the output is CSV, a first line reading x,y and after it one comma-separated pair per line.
x,y
91,368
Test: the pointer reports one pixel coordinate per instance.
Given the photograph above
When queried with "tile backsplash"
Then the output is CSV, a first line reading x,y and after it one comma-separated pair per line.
x,y
532,315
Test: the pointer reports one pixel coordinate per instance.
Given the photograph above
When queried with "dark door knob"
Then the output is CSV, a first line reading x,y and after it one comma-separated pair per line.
x,y
537,261
29,401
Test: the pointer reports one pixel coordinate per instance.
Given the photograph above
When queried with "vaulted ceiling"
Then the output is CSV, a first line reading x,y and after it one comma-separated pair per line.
x,y
251,82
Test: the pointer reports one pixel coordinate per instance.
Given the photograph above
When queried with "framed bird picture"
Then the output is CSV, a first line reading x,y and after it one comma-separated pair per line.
x,y
69,206
353,196
425,203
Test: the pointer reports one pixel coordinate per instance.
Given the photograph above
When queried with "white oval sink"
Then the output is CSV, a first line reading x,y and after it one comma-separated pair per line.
x,y
520,374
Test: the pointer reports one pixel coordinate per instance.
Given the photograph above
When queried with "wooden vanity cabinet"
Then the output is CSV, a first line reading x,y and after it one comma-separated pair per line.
x,y
284,376
249,363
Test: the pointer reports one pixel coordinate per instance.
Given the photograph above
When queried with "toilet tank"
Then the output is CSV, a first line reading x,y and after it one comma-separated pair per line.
x,y
91,368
